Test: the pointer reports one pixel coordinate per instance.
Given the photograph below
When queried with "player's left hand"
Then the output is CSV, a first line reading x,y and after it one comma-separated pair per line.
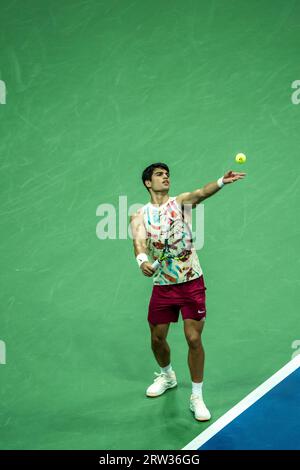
x,y
232,176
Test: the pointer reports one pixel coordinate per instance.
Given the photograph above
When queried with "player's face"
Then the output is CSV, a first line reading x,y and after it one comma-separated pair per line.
x,y
160,180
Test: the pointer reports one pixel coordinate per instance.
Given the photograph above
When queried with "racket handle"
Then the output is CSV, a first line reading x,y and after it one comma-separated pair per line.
x,y
155,264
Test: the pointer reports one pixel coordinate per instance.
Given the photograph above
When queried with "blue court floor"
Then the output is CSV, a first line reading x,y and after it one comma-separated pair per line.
x,y
267,419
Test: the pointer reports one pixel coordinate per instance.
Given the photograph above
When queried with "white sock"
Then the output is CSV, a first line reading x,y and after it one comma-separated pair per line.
x,y
197,389
167,369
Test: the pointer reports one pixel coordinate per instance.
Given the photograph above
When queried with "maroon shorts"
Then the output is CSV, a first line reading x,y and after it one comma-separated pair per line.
x,y
167,300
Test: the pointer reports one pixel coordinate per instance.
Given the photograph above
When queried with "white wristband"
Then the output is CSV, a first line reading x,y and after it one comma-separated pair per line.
x,y
220,182
141,258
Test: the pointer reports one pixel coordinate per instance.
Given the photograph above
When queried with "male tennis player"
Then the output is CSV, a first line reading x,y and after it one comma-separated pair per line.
x,y
178,280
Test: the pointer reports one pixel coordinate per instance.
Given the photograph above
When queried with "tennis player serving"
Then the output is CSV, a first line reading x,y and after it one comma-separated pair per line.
x,y
161,229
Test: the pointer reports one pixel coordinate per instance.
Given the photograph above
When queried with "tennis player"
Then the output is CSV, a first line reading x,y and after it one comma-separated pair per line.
x,y
178,282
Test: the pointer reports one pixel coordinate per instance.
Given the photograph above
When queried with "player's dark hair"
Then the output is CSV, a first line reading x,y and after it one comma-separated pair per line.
x,y
148,172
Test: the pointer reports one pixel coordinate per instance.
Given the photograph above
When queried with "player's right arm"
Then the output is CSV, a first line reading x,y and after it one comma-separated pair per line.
x,y
139,237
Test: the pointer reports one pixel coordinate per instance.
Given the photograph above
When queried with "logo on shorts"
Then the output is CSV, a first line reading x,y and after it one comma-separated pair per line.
x,y
201,311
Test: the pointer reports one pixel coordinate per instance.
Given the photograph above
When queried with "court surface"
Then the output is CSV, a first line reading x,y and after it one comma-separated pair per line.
x,y
267,419
97,91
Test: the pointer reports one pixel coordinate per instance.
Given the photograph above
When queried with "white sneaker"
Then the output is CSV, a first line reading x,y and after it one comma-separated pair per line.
x,y
199,409
161,384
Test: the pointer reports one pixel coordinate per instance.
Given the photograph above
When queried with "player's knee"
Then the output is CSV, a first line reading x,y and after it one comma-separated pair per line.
x,y
157,341
193,340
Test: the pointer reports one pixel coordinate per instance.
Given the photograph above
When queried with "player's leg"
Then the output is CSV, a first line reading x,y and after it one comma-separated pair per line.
x,y
167,378
193,330
196,355
159,345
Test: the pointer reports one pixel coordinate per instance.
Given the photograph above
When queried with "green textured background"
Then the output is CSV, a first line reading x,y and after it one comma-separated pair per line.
x,y
96,91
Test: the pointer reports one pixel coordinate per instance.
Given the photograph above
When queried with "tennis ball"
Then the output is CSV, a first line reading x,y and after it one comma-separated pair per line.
x,y
240,158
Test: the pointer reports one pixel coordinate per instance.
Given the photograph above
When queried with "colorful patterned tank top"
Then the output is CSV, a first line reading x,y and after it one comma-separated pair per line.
x,y
157,221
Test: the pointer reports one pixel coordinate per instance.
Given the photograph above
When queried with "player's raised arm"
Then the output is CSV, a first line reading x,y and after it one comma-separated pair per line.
x,y
140,243
197,196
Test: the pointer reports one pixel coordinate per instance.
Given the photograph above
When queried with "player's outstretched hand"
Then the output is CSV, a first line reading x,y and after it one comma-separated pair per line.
x,y
232,176
147,269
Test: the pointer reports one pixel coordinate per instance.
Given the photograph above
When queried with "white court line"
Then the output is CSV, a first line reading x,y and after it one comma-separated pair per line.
x,y
244,404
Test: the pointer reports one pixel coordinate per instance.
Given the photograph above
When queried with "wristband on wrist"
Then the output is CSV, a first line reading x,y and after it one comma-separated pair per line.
x,y
220,182
141,258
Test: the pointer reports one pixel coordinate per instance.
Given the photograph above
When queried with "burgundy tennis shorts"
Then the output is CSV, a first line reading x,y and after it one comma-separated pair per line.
x,y
167,300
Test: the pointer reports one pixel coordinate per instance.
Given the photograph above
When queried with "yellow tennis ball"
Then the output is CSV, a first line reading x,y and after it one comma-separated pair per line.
x,y
240,158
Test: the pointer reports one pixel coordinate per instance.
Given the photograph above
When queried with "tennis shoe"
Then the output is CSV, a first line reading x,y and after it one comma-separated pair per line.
x,y
197,406
162,382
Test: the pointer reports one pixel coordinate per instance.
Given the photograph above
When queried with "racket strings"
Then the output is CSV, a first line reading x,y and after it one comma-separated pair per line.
x,y
177,241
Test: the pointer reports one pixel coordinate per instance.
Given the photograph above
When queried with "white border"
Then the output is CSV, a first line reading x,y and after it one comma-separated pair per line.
x,y
244,404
